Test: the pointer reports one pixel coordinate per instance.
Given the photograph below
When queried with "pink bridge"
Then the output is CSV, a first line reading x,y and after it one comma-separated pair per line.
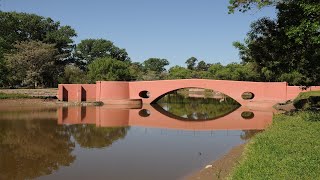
x,y
146,92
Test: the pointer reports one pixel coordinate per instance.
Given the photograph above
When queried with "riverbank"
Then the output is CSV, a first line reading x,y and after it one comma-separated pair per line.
x,y
289,149
30,93
221,168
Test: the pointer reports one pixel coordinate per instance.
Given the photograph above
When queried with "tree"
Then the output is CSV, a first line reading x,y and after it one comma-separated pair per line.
x,y
202,66
32,64
136,70
155,64
178,72
91,49
3,67
191,63
244,5
290,43
108,69
17,27
233,71
73,75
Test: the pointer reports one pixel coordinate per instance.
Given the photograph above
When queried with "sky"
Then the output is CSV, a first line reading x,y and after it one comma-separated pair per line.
x,y
172,29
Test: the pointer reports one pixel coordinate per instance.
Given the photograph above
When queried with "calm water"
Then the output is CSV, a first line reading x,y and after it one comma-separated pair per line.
x,y
166,141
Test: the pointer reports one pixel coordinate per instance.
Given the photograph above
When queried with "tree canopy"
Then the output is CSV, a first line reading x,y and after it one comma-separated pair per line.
x,y
17,27
108,69
287,48
32,64
91,49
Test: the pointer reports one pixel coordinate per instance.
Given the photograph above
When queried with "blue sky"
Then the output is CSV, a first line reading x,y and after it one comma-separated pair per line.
x,y
171,29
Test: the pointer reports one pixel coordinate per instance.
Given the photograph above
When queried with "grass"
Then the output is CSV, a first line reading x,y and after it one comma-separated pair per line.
x,y
289,149
13,96
307,100
306,95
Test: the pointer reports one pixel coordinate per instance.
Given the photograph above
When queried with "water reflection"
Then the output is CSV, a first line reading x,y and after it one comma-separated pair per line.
x,y
191,107
33,148
152,116
89,136
111,143
33,144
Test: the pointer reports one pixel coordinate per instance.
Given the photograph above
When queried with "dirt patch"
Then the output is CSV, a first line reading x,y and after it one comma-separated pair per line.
x,y
48,92
221,168
284,107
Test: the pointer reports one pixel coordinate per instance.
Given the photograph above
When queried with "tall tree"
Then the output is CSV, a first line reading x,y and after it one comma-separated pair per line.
x,y
288,46
178,72
108,69
73,75
191,63
155,64
3,67
202,66
17,27
245,5
33,63
90,49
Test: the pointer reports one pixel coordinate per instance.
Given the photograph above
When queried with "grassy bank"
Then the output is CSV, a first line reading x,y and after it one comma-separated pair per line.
x,y
289,149
13,96
307,100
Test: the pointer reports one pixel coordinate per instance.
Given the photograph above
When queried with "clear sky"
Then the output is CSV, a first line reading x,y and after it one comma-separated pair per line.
x,y
171,29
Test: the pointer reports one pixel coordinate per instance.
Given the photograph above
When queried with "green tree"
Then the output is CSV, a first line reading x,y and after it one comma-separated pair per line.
x,y
191,63
3,67
136,70
155,64
290,43
73,75
17,27
32,63
202,66
108,69
178,72
91,49
233,71
244,5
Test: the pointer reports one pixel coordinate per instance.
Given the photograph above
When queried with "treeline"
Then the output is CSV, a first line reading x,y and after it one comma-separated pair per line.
x,y
37,51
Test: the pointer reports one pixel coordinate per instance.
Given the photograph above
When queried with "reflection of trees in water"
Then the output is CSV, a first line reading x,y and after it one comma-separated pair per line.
x,y
90,136
197,108
33,148
248,134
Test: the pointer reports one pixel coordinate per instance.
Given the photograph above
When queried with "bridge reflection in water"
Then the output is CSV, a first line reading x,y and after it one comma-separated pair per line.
x,y
155,117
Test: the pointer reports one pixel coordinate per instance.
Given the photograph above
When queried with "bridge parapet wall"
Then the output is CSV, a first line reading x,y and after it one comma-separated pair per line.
x,y
77,92
112,90
263,91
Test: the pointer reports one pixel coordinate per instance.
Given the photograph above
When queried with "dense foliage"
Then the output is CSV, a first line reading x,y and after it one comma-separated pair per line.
x,y
287,48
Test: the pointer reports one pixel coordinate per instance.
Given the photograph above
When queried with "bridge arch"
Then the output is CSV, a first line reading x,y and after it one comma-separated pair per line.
x,y
166,93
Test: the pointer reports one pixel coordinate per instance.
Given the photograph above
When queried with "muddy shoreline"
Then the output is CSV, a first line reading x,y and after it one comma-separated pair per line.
x,y
221,168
